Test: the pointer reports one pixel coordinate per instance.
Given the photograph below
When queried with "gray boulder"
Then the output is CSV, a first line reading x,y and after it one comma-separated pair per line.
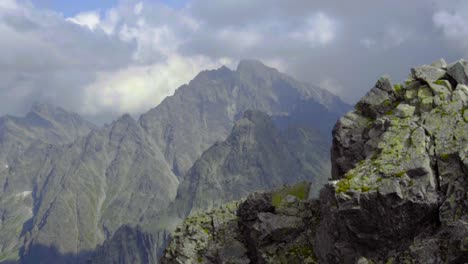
x,y
458,71
427,73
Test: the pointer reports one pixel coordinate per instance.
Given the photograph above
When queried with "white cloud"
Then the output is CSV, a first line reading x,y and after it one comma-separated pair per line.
x,y
452,24
277,63
110,21
391,37
242,38
331,85
367,42
137,44
395,36
138,8
89,19
138,88
319,29
8,4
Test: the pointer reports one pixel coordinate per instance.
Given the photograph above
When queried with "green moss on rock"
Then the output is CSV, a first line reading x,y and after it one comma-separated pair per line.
x,y
300,191
465,114
397,87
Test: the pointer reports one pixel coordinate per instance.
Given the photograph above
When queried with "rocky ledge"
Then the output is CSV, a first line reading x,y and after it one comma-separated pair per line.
x,y
270,227
398,194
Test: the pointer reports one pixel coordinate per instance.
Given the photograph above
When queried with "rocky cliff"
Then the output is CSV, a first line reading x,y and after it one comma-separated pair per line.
x,y
22,139
257,155
128,245
397,195
271,227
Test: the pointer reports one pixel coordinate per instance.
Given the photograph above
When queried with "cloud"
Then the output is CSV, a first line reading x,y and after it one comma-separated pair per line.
x,y
319,29
138,88
127,58
89,19
331,85
368,42
138,8
8,4
452,24
242,38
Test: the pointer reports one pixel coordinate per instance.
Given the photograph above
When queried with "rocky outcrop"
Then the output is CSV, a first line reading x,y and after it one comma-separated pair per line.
x,y
398,192
271,227
401,173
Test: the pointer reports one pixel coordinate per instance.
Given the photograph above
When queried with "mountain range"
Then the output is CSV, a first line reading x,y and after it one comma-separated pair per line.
x,y
69,186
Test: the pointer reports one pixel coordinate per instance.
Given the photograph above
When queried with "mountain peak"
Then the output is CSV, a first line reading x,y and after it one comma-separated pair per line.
x,y
45,109
251,65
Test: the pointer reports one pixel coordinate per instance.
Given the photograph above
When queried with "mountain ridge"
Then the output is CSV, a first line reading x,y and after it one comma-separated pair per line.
x,y
126,173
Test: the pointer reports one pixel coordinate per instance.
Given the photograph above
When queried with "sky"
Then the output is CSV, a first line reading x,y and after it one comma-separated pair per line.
x,y
105,58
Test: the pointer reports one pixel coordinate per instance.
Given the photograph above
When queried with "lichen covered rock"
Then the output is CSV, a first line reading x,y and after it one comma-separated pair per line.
x,y
272,227
400,184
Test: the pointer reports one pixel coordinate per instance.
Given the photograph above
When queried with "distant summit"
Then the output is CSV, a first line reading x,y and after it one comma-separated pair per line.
x,y
252,65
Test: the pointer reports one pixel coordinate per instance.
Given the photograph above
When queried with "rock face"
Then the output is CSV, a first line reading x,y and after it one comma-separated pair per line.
x,y
128,245
273,227
399,190
22,138
255,156
86,190
401,173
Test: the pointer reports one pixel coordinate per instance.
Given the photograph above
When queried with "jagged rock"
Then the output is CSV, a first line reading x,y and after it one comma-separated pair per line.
x,y
440,63
458,71
378,100
349,142
258,230
404,110
411,183
427,73
257,155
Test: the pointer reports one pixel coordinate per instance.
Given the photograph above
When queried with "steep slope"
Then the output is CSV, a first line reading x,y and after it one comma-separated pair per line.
x,y
20,139
255,156
86,190
128,245
399,195
204,111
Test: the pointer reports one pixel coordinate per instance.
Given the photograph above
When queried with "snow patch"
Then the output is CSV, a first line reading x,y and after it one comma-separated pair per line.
x,y
24,194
